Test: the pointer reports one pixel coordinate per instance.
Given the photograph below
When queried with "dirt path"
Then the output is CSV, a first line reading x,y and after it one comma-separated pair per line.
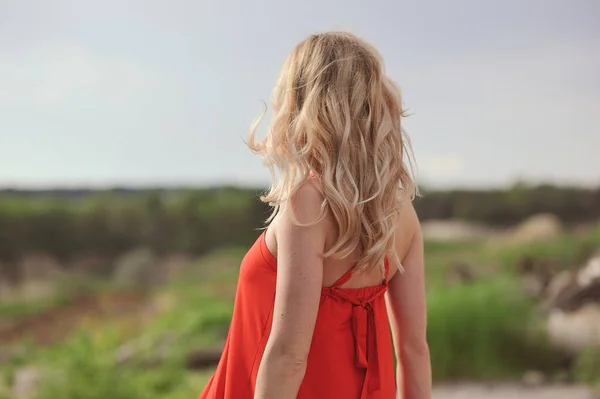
x,y
506,391
56,323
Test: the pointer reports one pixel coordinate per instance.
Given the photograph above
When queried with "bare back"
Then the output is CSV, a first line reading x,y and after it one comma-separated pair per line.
x,y
333,268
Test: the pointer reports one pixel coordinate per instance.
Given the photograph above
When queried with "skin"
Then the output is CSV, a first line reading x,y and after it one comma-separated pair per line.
x,y
298,293
407,311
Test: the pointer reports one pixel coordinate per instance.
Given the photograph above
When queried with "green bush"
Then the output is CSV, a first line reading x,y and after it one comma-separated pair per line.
x,y
84,369
587,367
483,331
566,251
67,223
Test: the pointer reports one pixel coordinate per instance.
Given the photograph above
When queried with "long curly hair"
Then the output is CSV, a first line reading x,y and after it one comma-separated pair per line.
x,y
337,117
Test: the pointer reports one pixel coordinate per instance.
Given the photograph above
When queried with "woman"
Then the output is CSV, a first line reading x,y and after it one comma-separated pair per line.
x,y
310,319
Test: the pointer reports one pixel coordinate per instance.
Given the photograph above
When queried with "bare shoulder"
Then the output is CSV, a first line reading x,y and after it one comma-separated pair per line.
x,y
409,218
306,205
302,222
408,230
297,216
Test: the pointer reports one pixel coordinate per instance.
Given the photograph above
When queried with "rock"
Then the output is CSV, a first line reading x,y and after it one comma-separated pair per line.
x,y
529,264
576,330
173,265
559,284
574,303
575,297
10,272
145,350
453,230
569,291
590,272
533,378
125,352
163,302
7,293
12,352
136,268
459,273
39,267
533,286
562,376
204,358
34,290
26,382
537,228
91,264
536,275
508,391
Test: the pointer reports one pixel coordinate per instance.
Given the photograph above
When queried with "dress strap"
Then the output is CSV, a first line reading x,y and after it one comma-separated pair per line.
x,y
348,275
344,279
387,269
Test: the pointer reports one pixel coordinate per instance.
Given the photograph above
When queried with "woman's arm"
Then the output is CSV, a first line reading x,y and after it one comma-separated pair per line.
x,y
408,314
299,279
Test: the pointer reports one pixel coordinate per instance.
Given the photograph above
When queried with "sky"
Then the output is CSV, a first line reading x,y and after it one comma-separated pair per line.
x,y
139,93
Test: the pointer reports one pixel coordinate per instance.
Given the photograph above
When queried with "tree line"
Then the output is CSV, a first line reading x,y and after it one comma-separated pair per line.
x,y
64,223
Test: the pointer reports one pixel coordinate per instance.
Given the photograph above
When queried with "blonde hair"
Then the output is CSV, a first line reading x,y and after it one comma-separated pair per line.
x,y
337,116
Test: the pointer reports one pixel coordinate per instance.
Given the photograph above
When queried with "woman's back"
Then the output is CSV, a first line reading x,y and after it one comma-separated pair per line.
x,y
334,268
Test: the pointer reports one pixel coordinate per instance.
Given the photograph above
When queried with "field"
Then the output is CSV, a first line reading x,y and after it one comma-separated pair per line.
x,y
104,335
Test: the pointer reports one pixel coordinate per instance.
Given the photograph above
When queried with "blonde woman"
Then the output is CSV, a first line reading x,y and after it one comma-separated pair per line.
x,y
342,258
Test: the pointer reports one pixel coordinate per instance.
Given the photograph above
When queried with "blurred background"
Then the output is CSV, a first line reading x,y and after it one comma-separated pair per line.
x,y
128,196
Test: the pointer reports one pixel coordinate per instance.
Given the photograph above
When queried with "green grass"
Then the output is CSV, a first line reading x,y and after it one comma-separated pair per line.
x,y
489,330
19,310
565,251
83,367
486,330
483,331
587,368
66,288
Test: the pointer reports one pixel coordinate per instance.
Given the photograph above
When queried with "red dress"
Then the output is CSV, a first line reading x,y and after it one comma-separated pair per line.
x,y
351,354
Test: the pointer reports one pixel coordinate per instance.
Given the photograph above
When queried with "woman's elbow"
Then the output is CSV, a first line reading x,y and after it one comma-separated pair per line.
x,y
415,350
288,363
